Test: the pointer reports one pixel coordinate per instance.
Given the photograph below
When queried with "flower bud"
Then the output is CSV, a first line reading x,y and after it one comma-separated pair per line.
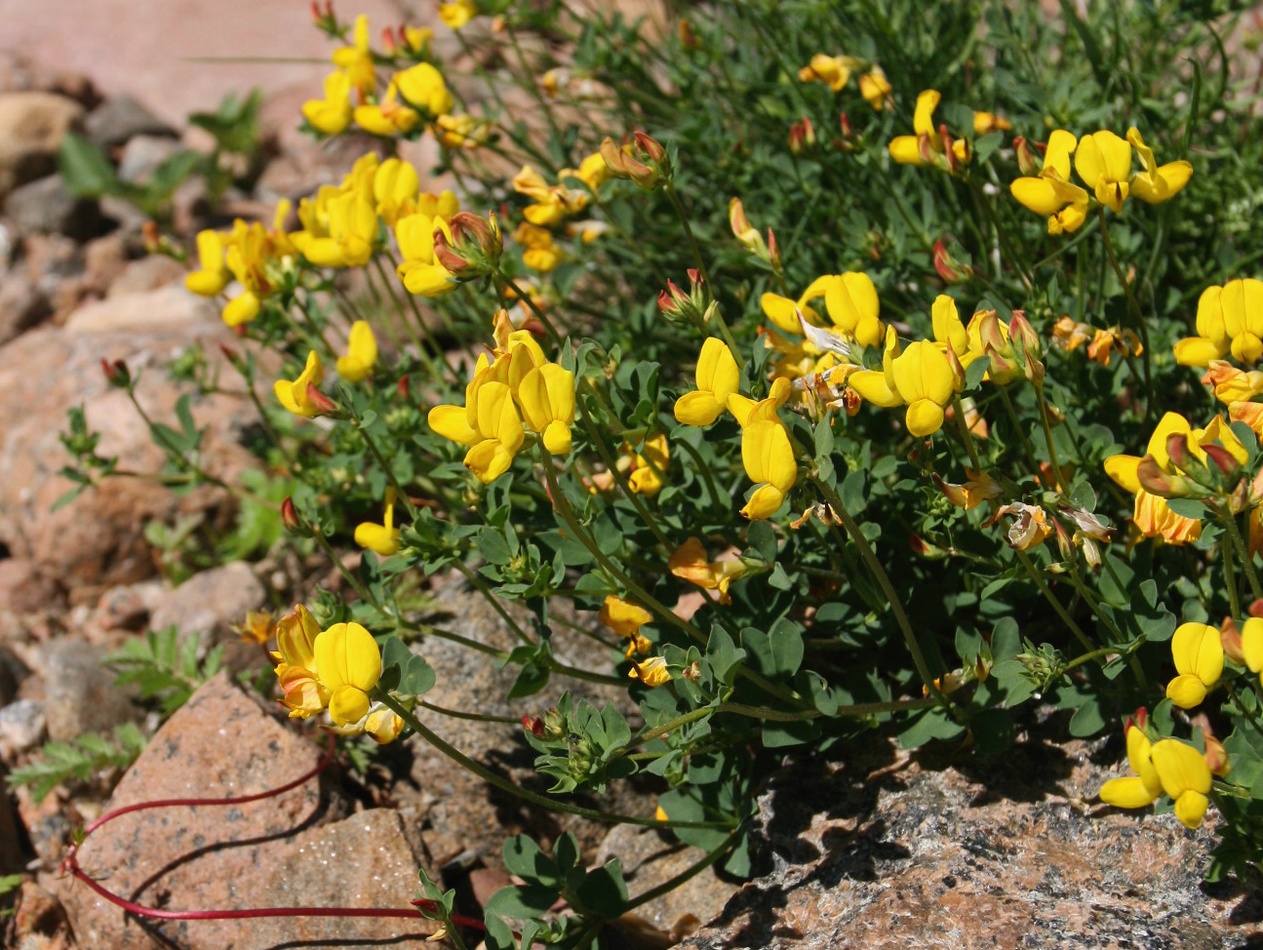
x,y
802,135
622,165
949,268
1026,163
1156,481
534,725
651,147
844,124
116,373
688,39
773,251
290,517
323,405
1230,640
1224,461
404,388
1217,757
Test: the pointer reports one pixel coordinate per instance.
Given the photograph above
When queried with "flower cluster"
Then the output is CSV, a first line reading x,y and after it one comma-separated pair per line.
x,y
516,385
835,72
1169,767
927,375
1103,162
334,669
413,95
766,451
1229,321
935,145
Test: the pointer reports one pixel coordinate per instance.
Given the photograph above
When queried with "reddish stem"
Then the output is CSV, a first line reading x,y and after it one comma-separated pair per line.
x,y
70,864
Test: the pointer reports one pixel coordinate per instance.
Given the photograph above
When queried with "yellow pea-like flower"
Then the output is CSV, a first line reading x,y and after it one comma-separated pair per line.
x,y
422,87
293,393
718,377
1156,183
1141,789
332,114
623,617
769,461
349,664
1103,162
1185,778
926,383
1199,659
546,395
213,275
381,538
361,354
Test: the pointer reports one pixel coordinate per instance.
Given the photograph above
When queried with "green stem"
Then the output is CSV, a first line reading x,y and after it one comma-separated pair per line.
x,y
669,885
1227,519
517,791
965,435
883,581
1133,306
1057,606
680,213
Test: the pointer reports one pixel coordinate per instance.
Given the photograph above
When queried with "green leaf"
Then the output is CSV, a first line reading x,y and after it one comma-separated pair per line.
x,y
85,167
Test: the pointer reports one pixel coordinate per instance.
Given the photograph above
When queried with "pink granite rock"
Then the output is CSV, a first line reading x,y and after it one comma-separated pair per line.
x,y
283,851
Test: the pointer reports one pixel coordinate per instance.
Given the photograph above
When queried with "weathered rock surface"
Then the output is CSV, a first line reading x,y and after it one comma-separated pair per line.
x,y
208,604
79,691
32,125
283,851
885,852
46,205
120,118
98,540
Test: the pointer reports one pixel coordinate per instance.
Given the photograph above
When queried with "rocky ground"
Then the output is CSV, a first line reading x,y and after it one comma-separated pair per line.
x,y
871,847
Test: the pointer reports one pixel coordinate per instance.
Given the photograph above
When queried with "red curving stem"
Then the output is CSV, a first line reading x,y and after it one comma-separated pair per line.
x,y
70,865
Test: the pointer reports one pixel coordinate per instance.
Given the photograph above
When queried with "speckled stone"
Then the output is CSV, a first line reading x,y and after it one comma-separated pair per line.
x,y
283,851
884,850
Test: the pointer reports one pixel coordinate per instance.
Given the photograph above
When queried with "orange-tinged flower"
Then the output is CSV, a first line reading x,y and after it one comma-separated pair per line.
x,y
623,617
649,466
690,563
302,692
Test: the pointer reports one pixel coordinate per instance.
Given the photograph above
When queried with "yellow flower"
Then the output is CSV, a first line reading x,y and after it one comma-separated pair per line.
x,y
332,114
293,394
875,88
1103,161
926,145
540,252
768,457
920,377
1185,778
349,664
461,131
302,692
833,71
1199,659
1141,789
420,273
361,353
623,617
213,276
387,117
456,15
718,377
356,60
649,466
689,562
1051,193
1156,184
489,424
1229,320
651,672
381,538
546,395
422,87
